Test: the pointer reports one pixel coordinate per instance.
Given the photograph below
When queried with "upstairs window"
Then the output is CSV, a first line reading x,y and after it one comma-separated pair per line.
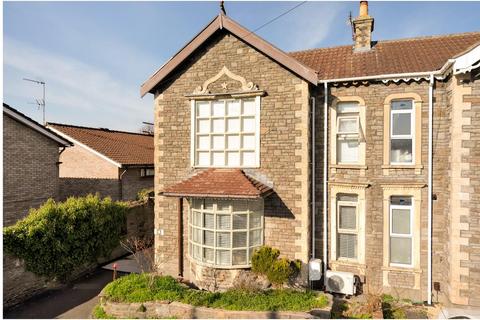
x,y
347,224
401,132
226,133
348,128
401,235
147,172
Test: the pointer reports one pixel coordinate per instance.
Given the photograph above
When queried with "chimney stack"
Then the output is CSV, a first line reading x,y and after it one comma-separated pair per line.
x,y
362,29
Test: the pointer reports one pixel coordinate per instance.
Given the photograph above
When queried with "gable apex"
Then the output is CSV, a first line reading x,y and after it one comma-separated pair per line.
x,y
223,22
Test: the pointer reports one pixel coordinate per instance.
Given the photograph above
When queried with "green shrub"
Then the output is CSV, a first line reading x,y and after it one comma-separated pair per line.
x,y
143,194
141,288
263,258
99,313
60,237
265,261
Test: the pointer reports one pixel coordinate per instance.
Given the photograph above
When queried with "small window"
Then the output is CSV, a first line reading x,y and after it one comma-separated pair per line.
x,y
401,132
347,229
401,235
348,128
147,172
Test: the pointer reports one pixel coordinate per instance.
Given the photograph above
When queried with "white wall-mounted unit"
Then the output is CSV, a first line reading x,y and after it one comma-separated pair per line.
x,y
341,282
315,269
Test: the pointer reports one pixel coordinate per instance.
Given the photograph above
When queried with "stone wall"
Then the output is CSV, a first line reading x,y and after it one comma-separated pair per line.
x,y
30,171
19,284
284,144
164,309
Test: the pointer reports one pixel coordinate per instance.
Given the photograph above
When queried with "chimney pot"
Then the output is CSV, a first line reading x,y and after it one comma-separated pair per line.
x,y
363,9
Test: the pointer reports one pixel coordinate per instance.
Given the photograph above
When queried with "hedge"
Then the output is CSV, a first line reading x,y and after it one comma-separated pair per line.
x,y
59,237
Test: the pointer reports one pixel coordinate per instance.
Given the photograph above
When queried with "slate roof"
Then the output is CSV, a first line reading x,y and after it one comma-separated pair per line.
x,y
413,55
219,183
125,148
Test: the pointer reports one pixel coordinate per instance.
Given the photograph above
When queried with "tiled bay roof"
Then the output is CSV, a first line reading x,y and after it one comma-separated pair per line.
x,y
219,183
387,57
125,148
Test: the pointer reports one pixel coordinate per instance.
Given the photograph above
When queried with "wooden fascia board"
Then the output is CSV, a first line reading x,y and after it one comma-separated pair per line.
x,y
223,22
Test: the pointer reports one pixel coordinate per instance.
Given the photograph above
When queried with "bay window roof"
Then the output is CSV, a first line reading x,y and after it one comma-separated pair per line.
x,y
219,183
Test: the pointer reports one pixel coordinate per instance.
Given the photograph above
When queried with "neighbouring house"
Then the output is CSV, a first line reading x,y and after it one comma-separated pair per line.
x,y
113,163
30,177
365,156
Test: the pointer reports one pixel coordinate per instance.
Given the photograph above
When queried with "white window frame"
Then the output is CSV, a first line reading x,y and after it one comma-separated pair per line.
x,y
143,172
355,231
411,136
402,235
193,136
248,248
346,136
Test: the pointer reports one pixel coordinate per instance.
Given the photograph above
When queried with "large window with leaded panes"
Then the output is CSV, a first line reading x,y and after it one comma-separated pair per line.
x,y
224,233
226,133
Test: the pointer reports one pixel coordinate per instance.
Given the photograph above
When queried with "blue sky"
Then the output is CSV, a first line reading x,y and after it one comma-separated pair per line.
x,y
95,55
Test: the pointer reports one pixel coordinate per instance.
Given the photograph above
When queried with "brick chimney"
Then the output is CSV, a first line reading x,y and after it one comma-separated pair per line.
x,y
362,29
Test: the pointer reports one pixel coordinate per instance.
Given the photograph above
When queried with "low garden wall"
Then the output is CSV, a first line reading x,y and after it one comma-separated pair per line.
x,y
19,284
165,309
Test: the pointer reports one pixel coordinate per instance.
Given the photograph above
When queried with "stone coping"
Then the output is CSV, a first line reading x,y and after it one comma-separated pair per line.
x,y
167,309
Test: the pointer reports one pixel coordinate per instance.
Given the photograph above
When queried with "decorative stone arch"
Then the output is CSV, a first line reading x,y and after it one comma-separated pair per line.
x,y
417,105
245,86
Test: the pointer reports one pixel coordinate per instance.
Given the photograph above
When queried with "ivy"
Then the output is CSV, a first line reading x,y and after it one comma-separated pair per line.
x,y
59,237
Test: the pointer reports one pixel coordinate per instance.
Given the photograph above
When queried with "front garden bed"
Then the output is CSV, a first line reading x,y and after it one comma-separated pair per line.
x,y
146,295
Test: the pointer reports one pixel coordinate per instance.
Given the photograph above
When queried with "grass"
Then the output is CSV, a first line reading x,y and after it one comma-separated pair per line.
x,y
99,313
145,287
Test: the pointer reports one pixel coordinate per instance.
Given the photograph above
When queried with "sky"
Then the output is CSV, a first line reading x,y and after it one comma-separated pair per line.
x,y
94,56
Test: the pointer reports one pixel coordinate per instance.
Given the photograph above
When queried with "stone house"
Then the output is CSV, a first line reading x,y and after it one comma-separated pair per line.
x,y
30,177
113,163
365,156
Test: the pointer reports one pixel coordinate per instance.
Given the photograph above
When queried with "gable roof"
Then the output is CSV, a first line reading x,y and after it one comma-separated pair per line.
x,y
224,22
121,147
29,122
415,55
219,183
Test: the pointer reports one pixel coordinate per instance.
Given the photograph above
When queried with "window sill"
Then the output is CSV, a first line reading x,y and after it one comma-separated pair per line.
x,y
213,266
405,269
387,167
362,168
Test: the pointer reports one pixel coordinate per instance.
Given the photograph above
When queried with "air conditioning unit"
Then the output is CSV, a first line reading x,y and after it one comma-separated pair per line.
x,y
341,282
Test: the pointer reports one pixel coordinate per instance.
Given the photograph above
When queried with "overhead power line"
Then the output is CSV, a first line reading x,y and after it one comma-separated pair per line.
x,y
276,18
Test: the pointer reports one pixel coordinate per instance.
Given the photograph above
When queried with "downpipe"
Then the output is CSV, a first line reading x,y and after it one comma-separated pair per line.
x,y
430,188
325,179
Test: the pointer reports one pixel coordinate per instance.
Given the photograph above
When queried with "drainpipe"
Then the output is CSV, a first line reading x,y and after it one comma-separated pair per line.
x,y
120,183
325,179
180,236
430,187
313,177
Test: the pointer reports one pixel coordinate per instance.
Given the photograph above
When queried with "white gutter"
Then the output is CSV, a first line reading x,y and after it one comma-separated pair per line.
x,y
325,179
430,187
313,178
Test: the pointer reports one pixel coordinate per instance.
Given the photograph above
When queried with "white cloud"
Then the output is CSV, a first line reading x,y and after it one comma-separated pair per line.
x,y
77,86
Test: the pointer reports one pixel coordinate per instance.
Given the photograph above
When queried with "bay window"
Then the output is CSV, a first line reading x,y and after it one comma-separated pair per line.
x,y
347,226
402,121
226,133
401,234
348,127
225,233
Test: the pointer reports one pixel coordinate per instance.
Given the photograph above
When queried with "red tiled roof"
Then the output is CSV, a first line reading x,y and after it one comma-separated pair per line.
x,y
387,57
219,183
125,148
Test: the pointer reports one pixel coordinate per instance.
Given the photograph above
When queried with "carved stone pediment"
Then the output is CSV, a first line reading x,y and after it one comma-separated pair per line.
x,y
244,85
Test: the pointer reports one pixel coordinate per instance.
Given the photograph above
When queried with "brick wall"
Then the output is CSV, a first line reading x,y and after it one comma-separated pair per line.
x,y
78,162
132,182
284,143
30,171
82,186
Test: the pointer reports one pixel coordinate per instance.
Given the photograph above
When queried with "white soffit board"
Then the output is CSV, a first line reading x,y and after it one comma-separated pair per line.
x,y
466,62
